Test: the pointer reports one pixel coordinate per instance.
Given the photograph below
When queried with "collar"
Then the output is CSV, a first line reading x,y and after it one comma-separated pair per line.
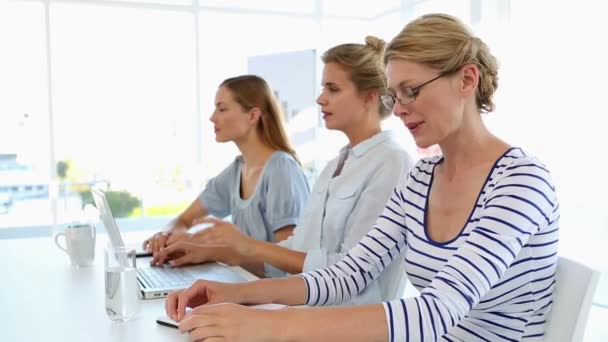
x,y
361,148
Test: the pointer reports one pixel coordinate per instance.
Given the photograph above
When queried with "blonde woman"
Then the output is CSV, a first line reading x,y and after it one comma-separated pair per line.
x,y
349,194
264,188
478,225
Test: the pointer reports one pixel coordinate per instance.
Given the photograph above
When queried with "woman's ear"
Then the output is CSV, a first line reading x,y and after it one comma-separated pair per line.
x,y
470,79
254,116
372,96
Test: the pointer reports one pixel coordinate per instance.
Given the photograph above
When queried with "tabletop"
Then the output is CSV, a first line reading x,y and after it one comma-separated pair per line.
x,y
43,297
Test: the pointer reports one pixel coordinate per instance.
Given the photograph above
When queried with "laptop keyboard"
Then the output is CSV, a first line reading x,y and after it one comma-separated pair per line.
x,y
164,277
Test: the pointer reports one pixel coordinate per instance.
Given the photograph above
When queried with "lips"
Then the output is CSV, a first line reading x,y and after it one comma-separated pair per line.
x,y
326,114
413,125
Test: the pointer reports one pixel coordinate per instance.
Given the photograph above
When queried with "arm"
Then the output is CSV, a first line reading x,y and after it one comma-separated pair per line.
x,y
251,254
380,183
334,324
378,187
291,291
242,250
315,324
175,230
284,232
285,194
195,210
234,322
215,199
286,259
516,208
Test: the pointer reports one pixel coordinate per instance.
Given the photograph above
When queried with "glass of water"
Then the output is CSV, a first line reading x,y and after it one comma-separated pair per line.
x,y
122,291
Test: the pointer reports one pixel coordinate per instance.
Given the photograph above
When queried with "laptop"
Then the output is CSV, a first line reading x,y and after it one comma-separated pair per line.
x,y
159,281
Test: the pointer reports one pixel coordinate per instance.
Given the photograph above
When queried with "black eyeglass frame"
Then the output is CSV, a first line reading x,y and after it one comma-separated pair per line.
x,y
389,101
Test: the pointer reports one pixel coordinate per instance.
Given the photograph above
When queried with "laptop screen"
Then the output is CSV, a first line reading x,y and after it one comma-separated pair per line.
x,y
105,213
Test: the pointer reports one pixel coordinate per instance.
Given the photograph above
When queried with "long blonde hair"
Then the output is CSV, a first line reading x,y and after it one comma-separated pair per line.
x,y
444,43
251,91
364,64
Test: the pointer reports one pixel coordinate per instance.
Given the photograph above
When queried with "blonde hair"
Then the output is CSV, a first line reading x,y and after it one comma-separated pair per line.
x,y
444,43
251,91
364,64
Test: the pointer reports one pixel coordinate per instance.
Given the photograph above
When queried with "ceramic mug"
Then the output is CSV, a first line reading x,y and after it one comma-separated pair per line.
x,y
79,243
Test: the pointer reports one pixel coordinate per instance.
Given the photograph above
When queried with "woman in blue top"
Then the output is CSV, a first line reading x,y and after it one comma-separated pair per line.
x,y
478,225
350,192
264,189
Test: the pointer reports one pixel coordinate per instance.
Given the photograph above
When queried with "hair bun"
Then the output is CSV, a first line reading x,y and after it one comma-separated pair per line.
x,y
375,43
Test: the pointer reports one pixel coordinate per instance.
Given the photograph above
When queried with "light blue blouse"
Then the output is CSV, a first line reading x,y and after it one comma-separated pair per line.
x,y
277,201
342,209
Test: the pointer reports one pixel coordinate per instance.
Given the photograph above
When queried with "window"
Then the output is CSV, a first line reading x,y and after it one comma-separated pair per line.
x,y
24,122
130,102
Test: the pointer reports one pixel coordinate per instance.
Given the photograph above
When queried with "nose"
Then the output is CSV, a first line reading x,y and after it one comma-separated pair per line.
x,y
400,110
321,100
212,117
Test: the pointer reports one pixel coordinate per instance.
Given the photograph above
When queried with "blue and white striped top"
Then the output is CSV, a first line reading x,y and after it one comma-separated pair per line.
x,y
493,282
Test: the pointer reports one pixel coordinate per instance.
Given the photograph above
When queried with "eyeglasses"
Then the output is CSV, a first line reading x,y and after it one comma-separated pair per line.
x,y
408,94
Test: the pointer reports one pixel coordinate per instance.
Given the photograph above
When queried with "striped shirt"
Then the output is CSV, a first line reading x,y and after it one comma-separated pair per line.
x,y
493,282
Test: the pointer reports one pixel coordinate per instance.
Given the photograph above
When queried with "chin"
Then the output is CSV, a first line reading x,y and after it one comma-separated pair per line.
x,y
328,125
424,143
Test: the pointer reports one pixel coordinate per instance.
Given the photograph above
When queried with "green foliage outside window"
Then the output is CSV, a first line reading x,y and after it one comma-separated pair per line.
x,y
122,203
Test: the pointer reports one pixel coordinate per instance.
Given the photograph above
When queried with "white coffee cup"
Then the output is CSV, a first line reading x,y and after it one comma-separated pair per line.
x,y
79,243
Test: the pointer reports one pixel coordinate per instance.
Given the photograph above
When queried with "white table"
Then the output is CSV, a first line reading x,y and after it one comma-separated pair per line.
x,y
43,298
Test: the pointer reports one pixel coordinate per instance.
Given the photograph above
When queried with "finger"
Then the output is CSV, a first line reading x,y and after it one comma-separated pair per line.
x,y
208,333
162,241
155,244
160,257
182,301
172,239
191,322
167,253
181,261
185,296
171,304
155,259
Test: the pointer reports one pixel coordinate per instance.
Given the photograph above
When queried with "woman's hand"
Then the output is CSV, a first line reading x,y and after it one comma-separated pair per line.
x,y
186,252
199,293
226,234
163,239
231,322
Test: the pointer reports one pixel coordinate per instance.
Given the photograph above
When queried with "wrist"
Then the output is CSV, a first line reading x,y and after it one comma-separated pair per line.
x,y
175,225
254,249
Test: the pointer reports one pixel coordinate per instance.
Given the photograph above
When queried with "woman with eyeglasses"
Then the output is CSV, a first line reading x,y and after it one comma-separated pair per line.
x,y
478,225
347,197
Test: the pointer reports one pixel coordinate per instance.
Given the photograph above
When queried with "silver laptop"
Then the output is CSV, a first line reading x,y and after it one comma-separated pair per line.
x,y
159,281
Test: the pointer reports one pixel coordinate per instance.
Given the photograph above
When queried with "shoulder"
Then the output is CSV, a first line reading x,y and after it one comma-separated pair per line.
x,y
519,172
390,153
516,156
283,165
280,160
517,162
425,166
